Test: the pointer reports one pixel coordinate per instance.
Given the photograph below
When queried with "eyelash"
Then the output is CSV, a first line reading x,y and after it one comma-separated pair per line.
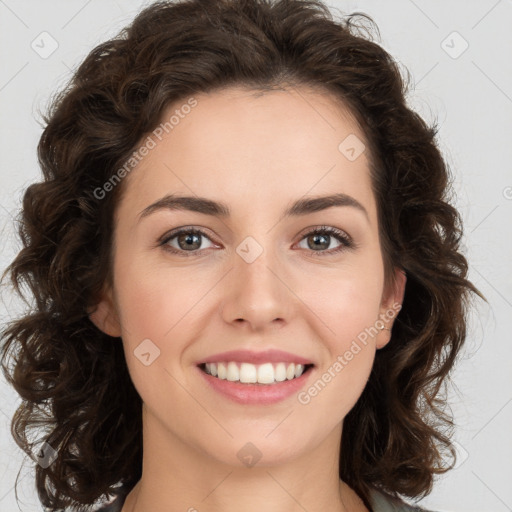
x,y
346,241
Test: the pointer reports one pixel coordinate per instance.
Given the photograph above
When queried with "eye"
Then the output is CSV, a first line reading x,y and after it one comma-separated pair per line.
x,y
321,238
188,241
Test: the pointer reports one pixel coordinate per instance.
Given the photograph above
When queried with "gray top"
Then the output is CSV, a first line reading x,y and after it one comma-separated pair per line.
x,y
383,503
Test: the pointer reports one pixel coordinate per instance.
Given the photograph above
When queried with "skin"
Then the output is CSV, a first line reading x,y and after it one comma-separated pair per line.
x,y
257,154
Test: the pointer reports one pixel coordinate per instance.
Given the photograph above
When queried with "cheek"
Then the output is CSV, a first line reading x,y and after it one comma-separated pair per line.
x,y
346,309
347,302
155,310
152,301
155,315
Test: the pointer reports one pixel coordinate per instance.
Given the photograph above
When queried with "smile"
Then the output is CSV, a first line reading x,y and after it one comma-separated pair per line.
x,y
266,373
249,384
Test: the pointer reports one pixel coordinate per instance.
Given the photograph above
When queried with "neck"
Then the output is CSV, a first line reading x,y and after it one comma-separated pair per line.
x,y
177,476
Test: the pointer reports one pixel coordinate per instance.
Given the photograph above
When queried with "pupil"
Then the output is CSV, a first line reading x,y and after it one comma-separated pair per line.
x,y
317,237
188,240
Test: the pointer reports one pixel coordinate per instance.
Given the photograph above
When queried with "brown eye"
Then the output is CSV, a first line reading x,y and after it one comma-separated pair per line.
x,y
188,241
319,240
184,241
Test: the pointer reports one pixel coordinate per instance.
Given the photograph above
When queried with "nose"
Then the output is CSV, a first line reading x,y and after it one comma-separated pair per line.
x,y
257,295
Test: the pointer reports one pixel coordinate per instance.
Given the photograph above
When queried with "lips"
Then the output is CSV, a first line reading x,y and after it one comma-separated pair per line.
x,y
256,393
271,385
247,356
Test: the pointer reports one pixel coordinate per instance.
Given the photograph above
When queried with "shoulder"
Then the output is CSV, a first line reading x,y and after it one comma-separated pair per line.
x,y
111,507
381,502
114,506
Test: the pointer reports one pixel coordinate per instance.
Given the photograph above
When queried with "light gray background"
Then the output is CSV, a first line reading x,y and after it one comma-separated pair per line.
x,y
469,92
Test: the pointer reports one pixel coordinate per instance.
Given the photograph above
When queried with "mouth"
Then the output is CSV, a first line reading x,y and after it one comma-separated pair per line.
x,y
265,374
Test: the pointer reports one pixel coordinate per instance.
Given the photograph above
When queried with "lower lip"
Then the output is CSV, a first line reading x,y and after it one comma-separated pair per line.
x,y
260,394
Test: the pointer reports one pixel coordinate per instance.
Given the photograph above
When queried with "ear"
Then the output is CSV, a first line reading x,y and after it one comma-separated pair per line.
x,y
104,315
392,300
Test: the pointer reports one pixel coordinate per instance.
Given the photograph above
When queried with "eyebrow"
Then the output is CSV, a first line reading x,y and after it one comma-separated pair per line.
x,y
206,206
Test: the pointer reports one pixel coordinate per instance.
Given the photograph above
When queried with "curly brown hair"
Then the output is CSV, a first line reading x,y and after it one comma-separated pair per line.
x,y
69,374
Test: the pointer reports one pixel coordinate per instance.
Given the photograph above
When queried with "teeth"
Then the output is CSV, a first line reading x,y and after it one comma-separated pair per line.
x,y
266,373
280,373
232,372
221,369
248,373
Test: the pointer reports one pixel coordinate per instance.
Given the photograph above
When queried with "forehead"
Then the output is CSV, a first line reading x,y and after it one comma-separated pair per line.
x,y
243,146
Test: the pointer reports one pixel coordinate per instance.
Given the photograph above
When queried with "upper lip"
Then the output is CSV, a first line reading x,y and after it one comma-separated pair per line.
x,y
248,356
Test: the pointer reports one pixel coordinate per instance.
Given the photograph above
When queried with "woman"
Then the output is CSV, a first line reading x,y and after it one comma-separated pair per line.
x,y
247,279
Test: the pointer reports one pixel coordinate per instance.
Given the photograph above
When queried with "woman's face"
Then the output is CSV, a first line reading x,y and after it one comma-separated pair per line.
x,y
257,279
